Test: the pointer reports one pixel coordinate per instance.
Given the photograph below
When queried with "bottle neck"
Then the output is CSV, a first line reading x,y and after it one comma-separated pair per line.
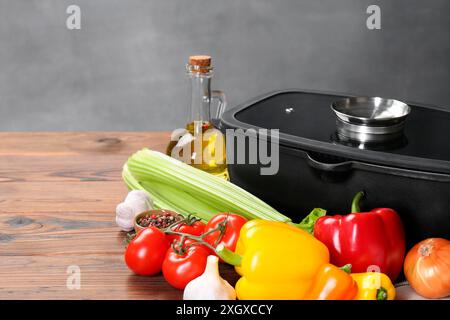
x,y
200,98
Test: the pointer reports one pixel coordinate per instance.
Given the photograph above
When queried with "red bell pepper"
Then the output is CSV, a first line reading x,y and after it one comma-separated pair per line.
x,y
366,240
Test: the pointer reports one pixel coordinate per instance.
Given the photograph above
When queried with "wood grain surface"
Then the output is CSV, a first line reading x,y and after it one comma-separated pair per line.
x,y
58,193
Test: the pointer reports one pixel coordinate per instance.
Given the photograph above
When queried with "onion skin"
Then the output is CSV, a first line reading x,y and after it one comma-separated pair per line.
x,y
427,268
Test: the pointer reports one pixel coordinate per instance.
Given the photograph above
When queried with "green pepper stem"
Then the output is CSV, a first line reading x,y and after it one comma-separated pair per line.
x,y
355,202
347,268
307,224
382,294
228,256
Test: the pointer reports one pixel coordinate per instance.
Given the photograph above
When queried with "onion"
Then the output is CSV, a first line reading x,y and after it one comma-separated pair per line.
x,y
427,268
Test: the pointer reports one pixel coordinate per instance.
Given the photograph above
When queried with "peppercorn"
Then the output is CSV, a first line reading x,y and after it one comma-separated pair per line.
x,y
158,221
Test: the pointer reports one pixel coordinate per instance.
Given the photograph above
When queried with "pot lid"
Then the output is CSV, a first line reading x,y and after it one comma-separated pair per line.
x,y
307,122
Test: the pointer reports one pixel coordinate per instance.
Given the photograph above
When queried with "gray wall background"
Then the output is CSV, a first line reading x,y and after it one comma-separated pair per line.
x,y
124,70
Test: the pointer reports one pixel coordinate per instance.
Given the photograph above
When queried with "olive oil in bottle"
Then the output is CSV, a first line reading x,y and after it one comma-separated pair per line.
x,y
200,144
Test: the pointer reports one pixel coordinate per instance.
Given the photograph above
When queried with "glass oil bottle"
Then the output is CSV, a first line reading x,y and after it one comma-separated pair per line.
x,y
199,143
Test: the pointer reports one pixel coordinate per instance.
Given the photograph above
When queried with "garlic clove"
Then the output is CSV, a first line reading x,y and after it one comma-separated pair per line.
x,y
136,201
139,200
210,285
125,211
124,224
125,216
136,194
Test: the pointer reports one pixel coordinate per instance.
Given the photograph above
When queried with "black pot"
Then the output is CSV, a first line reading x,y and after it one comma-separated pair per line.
x,y
318,168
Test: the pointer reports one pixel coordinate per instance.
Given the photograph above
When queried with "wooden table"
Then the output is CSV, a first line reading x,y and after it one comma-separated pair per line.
x,y
58,193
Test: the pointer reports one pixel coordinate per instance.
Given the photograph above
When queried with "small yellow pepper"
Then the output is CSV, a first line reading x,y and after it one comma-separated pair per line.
x,y
373,286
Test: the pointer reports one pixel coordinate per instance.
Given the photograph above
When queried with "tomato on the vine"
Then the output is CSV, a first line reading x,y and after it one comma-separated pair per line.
x,y
194,228
145,253
182,265
230,235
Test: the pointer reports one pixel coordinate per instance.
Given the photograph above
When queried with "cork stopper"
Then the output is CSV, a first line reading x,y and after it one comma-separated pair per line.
x,y
199,64
201,61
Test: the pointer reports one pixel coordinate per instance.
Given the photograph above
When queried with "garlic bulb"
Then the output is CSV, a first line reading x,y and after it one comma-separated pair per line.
x,y
210,285
137,201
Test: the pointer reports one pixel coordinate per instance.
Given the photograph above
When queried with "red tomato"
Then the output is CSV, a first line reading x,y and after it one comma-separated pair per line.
x,y
188,241
180,269
145,253
231,234
196,229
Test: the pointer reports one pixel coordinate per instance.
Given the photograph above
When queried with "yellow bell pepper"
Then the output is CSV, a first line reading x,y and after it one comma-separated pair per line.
x,y
277,261
373,286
